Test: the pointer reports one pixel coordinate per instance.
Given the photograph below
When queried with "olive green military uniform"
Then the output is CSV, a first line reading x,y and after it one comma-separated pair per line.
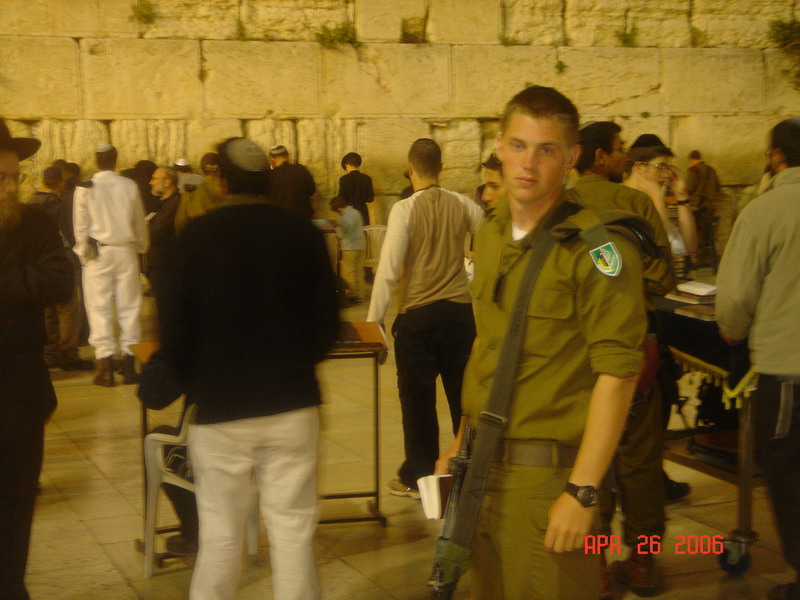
x,y
638,463
581,322
598,193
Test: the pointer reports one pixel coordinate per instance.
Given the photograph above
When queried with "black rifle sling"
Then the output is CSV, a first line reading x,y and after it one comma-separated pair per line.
x,y
493,419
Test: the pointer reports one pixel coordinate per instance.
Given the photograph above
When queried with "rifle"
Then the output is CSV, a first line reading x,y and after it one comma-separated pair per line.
x,y
444,579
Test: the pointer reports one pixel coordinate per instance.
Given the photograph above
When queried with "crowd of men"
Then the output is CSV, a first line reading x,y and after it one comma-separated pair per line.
x,y
247,305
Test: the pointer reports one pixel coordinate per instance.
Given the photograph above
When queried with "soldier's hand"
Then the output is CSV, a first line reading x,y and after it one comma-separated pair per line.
x,y
443,463
568,524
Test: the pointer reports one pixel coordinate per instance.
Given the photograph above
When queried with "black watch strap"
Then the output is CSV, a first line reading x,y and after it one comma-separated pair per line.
x,y
585,494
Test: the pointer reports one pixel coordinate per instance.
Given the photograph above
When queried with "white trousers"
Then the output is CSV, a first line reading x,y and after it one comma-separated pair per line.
x,y
281,451
112,278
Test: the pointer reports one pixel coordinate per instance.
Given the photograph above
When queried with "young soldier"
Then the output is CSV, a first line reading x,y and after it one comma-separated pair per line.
x,y
576,371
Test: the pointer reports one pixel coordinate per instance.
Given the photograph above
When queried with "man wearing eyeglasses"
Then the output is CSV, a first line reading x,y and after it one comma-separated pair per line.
x,y
34,273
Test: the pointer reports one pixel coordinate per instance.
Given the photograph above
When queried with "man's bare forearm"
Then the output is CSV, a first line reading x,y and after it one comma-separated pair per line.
x,y
608,409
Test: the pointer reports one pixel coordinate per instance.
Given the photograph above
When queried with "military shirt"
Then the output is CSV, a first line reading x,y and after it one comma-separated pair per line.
x,y
580,323
598,193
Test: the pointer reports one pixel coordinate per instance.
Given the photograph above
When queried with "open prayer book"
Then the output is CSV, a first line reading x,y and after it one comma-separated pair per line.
x,y
433,492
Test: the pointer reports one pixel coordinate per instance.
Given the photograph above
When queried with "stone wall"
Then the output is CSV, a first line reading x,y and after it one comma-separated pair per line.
x,y
699,73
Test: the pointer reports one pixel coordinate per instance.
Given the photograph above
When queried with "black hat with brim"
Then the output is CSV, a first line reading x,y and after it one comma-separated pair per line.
x,y
24,147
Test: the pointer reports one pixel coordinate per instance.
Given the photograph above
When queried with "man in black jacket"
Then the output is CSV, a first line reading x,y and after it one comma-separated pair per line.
x,y
355,188
161,224
291,186
34,273
249,309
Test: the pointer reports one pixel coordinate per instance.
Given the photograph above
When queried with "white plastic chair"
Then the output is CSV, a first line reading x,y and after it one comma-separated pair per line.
x,y
156,473
375,235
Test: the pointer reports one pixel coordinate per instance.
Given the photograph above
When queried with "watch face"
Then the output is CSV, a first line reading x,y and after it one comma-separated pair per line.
x,y
587,496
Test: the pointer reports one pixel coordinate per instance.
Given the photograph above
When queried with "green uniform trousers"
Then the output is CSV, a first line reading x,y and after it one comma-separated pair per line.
x,y
638,471
509,561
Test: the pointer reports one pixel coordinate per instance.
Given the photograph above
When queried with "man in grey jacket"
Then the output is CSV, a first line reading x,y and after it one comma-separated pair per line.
x,y
758,298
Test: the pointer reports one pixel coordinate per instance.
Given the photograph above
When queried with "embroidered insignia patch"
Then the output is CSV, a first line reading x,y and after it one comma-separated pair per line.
x,y
607,259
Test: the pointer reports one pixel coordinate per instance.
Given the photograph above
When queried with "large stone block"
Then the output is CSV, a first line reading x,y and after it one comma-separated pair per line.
x,y
312,151
383,21
387,80
601,22
464,21
595,22
104,18
738,23
272,132
256,80
485,78
611,81
460,142
203,136
384,144
292,20
781,94
340,137
734,145
665,26
140,78
161,141
32,17
195,20
31,168
489,131
30,88
712,80
538,22
74,141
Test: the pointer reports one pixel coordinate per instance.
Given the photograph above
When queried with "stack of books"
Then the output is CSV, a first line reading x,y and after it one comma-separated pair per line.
x,y
698,297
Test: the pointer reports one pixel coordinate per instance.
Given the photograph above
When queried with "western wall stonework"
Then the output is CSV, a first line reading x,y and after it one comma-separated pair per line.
x,y
699,73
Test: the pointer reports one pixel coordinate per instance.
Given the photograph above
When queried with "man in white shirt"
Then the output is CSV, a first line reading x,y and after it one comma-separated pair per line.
x,y
110,232
434,328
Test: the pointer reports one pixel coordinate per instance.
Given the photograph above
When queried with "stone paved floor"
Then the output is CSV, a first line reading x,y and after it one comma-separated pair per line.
x,y
90,510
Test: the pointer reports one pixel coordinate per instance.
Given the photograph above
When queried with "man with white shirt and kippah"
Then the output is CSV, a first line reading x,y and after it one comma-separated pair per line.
x,y
110,233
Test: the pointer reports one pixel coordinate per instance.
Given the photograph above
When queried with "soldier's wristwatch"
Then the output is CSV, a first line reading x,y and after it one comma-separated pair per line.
x,y
585,494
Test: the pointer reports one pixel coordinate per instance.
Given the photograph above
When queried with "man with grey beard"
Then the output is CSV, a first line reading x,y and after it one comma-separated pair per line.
x,y
34,272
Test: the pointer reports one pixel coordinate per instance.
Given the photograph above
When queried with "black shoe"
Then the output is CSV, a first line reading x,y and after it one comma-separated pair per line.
x,y
675,490
181,546
129,374
105,372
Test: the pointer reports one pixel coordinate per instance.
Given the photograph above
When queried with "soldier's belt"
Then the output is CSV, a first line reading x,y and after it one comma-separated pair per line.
x,y
536,454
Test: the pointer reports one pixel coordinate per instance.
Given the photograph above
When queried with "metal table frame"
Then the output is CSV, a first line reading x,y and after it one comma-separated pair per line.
x,y
373,505
735,557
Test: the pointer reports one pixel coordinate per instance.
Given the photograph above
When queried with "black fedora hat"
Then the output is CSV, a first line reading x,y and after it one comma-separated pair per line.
x,y
24,147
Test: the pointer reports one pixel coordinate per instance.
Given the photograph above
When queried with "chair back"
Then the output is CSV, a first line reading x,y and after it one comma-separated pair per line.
x,y
375,235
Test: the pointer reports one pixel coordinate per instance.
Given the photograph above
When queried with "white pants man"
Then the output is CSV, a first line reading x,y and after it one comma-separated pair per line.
x,y
113,278
281,451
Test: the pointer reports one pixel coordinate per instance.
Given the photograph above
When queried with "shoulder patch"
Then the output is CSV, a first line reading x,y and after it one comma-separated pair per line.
x,y
607,259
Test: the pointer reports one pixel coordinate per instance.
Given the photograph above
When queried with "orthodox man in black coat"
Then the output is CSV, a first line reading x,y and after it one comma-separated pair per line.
x,y
355,188
34,272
